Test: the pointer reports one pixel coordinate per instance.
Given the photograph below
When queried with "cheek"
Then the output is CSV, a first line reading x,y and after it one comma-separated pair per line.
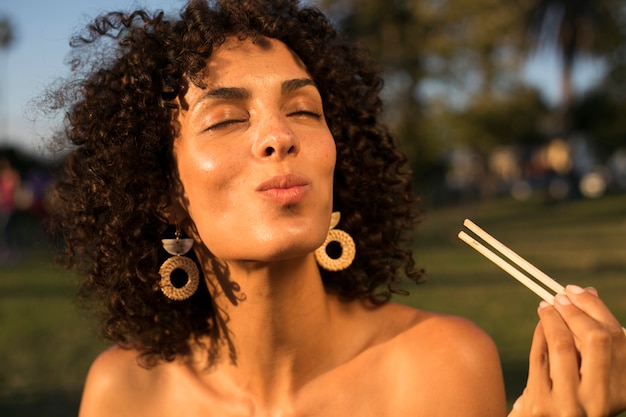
x,y
202,174
210,192
329,155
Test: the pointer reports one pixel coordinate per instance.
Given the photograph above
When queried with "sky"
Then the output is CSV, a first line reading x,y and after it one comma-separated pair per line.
x,y
43,29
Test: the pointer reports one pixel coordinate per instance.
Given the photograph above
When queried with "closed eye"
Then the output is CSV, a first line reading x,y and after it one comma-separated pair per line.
x,y
224,124
306,113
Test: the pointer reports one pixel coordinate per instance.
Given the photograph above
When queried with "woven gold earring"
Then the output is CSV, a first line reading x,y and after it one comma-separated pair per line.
x,y
346,243
179,274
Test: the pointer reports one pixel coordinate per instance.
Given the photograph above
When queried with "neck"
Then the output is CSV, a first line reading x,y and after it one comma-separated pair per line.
x,y
279,323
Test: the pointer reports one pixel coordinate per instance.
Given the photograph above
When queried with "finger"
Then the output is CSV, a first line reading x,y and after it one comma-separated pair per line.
x,y
588,301
562,354
595,346
591,290
538,391
538,384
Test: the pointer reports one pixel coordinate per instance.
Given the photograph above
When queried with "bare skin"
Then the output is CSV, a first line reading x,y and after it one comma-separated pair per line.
x,y
429,365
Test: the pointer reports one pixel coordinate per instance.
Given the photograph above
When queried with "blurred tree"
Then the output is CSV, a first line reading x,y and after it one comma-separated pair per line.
x,y
601,115
576,29
493,121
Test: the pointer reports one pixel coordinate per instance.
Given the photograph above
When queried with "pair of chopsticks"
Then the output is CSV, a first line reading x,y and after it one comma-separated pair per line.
x,y
541,291
515,258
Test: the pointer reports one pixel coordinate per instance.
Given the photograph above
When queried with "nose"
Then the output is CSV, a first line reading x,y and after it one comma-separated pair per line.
x,y
276,139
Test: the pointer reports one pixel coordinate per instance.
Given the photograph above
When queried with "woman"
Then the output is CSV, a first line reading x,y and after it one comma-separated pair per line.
x,y
232,133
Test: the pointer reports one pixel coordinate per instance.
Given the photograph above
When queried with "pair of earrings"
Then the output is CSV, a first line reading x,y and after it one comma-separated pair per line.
x,y
180,276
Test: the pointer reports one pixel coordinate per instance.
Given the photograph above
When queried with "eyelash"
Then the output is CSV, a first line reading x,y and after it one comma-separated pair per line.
x,y
224,124
308,113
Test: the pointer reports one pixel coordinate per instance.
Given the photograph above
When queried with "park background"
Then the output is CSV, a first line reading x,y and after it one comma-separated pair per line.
x,y
511,113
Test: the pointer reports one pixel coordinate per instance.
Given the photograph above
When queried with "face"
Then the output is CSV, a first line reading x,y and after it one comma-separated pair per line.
x,y
255,155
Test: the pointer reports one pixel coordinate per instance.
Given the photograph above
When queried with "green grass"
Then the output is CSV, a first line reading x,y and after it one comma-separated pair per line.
x,y
47,344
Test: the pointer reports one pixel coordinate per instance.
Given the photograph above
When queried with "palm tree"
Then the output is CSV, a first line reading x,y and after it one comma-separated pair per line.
x,y
576,28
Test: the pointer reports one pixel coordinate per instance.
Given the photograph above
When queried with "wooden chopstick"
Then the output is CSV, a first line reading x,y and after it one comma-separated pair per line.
x,y
518,260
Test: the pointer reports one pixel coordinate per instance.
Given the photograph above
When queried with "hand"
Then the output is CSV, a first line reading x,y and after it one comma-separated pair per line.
x,y
577,360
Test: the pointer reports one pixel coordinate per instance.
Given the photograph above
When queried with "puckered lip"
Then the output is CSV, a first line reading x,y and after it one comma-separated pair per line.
x,y
283,182
285,189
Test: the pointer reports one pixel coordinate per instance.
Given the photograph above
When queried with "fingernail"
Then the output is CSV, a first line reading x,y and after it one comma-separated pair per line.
x,y
574,289
562,299
592,291
544,304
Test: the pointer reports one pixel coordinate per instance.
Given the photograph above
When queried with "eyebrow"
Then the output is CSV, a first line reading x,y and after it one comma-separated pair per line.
x,y
240,94
290,86
227,93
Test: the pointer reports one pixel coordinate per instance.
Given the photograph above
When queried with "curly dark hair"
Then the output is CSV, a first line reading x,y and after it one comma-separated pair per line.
x,y
128,70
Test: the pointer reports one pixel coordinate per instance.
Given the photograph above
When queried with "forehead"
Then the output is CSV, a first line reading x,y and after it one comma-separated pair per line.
x,y
238,59
253,65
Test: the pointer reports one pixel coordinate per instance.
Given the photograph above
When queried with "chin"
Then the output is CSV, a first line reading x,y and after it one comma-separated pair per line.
x,y
291,247
267,244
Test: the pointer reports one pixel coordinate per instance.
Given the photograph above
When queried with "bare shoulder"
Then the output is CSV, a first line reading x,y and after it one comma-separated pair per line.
x,y
421,334
411,323
453,333
114,381
452,359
